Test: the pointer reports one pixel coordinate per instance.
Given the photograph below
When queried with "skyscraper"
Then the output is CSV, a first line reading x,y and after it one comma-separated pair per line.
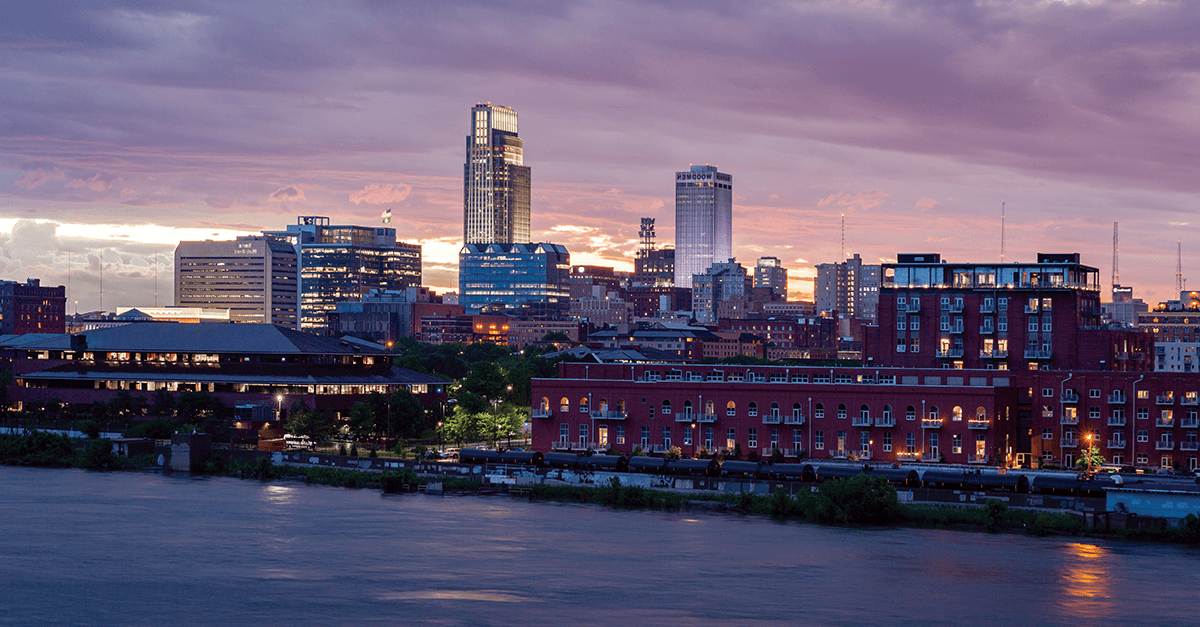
x,y
255,277
495,181
771,274
850,287
703,221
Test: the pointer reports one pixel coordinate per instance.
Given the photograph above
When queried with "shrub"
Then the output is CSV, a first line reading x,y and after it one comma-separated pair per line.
x,y
858,500
995,514
97,456
1189,529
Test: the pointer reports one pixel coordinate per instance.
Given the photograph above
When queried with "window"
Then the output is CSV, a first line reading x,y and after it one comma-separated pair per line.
x,y
956,444
1002,324
731,408
910,413
797,412
1094,412
666,437
915,345
583,405
914,323
910,443
900,304
841,440
752,438
1047,434
864,412
933,412
1143,435
900,345
819,440
1047,411
1046,304
752,409
1143,413
583,434
620,434
1002,303
945,302
841,411
864,441
687,409
564,405
887,442
564,432
1047,392
900,320
1094,393
1143,394
687,435
774,410
708,437
956,414
666,407
887,412
819,412
645,437
730,438
1143,459
774,438
1033,324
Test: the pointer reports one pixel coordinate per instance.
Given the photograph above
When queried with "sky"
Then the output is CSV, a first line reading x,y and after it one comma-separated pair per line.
x,y
128,126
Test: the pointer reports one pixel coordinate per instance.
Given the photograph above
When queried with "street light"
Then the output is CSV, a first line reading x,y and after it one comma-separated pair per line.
x,y
439,430
279,408
1089,453
694,438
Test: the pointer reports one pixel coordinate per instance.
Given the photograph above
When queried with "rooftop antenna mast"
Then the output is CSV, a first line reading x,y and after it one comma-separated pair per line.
x,y
156,277
101,280
843,237
68,275
1002,203
1179,267
1116,278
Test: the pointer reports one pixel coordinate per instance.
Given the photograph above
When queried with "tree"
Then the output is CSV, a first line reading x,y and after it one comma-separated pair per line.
x,y
1090,458
462,425
486,379
362,419
407,414
126,404
861,500
201,409
317,425
163,404
555,336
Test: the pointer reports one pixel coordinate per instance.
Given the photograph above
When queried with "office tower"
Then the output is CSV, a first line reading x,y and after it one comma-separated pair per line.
x,y
770,274
495,181
851,288
254,277
30,308
514,276
343,262
703,221
721,292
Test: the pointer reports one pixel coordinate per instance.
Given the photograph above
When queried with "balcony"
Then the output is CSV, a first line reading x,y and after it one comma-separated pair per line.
x,y
541,413
561,445
608,415
907,457
987,309
1117,443
1037,353
1189,446
839,454
956,328
956,308
1164,445
863,456
885,421
657,448
793,419
688,417
1190,398
1190,423
931,457
931,423
1069,420
995,354
772,419
977,459
1165,399
1165,423
1121,355
1117,398
1070,397
1031,309
706,418
978,424
1116,421
861,421
1068,443
986,330
585,446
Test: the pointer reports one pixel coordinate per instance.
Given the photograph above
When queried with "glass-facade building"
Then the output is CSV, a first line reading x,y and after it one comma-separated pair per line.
x,y
703,221
343,262
495,180
513,275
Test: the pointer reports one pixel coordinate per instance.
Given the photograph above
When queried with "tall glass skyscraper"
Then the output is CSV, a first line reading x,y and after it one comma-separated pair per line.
x,y
703,221
495,181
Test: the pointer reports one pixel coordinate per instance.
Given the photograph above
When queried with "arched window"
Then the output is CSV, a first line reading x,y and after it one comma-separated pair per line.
x,y
621,405
666,407
731,408
841,411
933,412
583,405
864,411
687,408
980,414
603,404
708,408
564,404
544,405
910,413
796,410
775,410
752,409
956,414
887,412
819,411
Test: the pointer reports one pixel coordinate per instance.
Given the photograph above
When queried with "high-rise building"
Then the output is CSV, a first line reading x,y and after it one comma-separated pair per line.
x,y
30,308
343,262
254,277
703,221
514,276
495,181
770,274
851,288
722,292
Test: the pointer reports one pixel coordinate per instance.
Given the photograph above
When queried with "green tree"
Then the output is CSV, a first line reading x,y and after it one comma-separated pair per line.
x,y
163,404
201,409
98,455
1092,455
486,380
860,500
362,419
317,425
407,414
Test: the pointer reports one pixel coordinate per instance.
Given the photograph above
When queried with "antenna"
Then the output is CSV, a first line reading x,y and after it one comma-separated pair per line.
x,y
843,238
156,277
1179,267
1002,203
68,275
1116,278
102,280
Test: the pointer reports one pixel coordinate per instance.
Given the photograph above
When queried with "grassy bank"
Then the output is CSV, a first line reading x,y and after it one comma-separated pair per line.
x,y
52,450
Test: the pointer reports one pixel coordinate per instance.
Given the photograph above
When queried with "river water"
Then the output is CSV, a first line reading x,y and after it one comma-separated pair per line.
x,y
80,548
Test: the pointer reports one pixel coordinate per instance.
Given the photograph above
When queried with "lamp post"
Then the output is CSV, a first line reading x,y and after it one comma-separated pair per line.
x,y
1089,453
694,438
279,407
439,430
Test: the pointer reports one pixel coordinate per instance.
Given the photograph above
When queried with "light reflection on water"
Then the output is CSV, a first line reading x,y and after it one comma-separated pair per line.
x,y
150,550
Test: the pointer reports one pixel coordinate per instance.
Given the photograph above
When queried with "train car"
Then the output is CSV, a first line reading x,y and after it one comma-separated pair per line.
x,y
706,467
789,472
903,477
741,469
647,464
612,463
946,479
478,456
826,472
561,460
521,458
986,481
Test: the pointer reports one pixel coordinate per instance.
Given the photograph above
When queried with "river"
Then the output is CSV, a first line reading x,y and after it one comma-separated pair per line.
x,y
84,548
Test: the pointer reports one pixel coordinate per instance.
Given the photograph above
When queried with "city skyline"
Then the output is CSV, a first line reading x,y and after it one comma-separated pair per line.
x,y
129,128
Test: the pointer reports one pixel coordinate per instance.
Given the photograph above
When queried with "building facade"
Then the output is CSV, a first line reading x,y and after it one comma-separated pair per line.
x,y
343,262
722,291
30,308
703,221
850,288
770,274
495,180
654,268
512,275
255,278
